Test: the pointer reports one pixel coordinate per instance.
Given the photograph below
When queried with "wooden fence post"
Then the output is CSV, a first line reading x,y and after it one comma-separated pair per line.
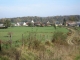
x,y
0,45
10,40
22,41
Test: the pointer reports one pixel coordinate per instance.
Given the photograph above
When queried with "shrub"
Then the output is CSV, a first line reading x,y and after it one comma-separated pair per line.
x,y
76,40
77,58
48,43
59,38
4,58
36,44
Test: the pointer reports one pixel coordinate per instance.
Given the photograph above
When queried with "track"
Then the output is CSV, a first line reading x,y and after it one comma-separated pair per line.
x,y
71,37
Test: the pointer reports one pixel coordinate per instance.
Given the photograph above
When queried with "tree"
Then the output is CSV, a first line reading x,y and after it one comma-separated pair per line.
x,y
54,26
64,22
7,23
72,18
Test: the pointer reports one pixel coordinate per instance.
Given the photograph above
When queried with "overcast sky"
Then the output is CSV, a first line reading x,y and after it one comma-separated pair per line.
x,y
43,8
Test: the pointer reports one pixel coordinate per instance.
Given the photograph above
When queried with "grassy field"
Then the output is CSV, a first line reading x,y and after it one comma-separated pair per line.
x,y
18,31
35,49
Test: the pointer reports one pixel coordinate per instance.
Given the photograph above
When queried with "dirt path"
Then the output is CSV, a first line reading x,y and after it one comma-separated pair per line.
x,y
71,37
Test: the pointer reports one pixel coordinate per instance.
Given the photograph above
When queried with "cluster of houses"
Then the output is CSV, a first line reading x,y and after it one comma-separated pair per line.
x,y
56,23
73,24
32,23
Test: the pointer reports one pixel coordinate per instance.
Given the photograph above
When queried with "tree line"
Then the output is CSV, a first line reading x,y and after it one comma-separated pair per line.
x,y
41,19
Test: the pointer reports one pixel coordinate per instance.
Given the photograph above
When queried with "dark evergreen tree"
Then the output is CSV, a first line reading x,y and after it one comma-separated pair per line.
x,y
7,23
64,22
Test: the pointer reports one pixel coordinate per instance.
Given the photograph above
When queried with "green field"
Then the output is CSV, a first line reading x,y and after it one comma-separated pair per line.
x,y
18,31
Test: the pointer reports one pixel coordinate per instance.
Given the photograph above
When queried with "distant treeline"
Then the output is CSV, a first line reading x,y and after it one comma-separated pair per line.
x,y
42,19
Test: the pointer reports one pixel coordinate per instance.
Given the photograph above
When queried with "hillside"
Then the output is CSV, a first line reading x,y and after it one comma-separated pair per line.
x,y
42,19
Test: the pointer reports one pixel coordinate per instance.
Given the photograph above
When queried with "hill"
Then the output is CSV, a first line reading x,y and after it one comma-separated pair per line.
x,y
42,19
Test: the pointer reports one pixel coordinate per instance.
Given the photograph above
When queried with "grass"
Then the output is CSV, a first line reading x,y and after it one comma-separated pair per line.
x,y
34,49
18,31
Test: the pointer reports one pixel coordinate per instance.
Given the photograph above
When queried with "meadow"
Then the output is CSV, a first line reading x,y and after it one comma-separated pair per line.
x,y
18,31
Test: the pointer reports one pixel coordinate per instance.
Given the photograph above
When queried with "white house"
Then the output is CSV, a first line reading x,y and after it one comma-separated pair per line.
x,y
32,21
48,23
17,24
25,24
1,25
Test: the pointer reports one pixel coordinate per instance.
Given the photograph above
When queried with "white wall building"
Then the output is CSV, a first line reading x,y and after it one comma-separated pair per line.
x,y
24,24
17,24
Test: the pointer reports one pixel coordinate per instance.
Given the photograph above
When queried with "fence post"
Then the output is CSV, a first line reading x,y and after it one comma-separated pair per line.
x,y
10,40
22,41
0,45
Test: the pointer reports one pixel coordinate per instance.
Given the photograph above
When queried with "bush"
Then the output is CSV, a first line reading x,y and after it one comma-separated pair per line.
x,y
77,58
37,45
47,43
76,40
4,58
59,38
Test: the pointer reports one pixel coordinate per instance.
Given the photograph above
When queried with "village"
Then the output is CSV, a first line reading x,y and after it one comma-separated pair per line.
x,y
41,24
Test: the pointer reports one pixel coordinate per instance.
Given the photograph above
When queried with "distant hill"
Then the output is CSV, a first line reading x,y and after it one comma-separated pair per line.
x,y
42,19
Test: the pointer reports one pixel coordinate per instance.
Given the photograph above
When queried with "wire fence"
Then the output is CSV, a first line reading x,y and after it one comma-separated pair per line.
x,y
10,43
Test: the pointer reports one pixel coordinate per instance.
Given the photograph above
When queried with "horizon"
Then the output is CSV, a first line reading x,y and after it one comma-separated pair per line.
x,y
42,8
37,16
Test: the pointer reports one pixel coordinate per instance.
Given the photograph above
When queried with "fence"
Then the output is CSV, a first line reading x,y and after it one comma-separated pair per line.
x,y
10,43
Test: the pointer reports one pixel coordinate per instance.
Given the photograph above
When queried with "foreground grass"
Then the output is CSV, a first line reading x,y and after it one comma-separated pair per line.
x,y
42,52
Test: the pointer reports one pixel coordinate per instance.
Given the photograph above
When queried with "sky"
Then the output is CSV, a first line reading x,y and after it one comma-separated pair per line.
x,y
42,8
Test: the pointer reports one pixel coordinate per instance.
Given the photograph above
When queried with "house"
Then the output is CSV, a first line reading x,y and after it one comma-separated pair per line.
x,y
57,23
25,24
48,23
43,24
70,23
1,25
17,24
78,24
32,23
37,23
